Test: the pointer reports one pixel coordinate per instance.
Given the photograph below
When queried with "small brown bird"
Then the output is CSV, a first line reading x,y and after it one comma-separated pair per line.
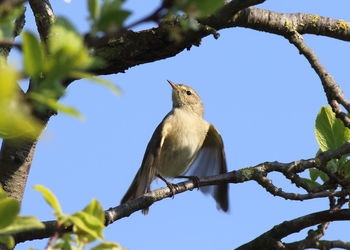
x,y
183,143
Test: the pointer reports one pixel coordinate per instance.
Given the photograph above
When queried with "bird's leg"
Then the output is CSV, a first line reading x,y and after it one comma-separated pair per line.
x,y
193,178
170,185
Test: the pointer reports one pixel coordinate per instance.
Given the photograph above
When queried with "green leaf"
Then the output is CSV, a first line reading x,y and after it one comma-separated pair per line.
x,y
8,241
199,8
324,177
189,24
345,168
66,24
9,208
332,165
2,193
99,80
330,132
87,226
314,173
15,119
207,7
52,103
95,209
65,242
21,224
94,8
108,246
50,198
67,51
33,54
112,16
311,183
7,22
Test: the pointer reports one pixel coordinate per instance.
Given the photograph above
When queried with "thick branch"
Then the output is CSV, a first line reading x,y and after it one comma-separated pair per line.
x,y
319,244
128,49
44,17
278,232
15,161
16,155
133,48
279,23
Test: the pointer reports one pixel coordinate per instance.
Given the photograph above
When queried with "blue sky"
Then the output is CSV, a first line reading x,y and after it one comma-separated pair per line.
x,y
258,91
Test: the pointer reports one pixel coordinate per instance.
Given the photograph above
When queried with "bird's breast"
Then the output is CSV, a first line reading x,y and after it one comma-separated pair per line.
x,y
184,136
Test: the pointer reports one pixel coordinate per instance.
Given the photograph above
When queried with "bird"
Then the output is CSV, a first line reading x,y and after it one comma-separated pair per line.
x,y
183,144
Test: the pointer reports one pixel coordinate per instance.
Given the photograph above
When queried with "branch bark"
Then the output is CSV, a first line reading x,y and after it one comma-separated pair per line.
x,y
278,232
128,49
319,244
332,90
44,17
16,155
280,23
239,176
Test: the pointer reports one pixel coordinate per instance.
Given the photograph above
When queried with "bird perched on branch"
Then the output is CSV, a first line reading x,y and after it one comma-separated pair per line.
x,y
183,143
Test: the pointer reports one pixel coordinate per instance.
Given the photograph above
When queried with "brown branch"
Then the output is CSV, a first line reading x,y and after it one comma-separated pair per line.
x,y
239,176
16,155
44,17
225,14
272,189
319,244
279,23
128,49
333,92
10,44
155,16
286,228
15,161
313,237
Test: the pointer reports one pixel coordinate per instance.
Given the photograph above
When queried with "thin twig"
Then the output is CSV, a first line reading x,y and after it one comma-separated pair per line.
x,y
333,92
10,44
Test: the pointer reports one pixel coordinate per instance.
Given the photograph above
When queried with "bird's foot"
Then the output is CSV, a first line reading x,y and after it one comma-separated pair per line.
x,y
193,178
170,185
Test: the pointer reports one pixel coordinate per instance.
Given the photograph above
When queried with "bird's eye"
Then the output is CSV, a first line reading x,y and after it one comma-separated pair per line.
x,y
188,92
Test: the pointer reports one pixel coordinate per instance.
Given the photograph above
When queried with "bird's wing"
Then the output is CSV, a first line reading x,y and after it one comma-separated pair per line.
x,y
211,160
146,174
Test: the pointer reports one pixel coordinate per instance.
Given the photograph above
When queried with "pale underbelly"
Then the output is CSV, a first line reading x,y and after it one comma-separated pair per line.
x,y
176,161
185,133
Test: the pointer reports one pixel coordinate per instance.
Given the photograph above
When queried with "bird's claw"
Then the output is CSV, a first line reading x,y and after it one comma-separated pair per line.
x,y
193,178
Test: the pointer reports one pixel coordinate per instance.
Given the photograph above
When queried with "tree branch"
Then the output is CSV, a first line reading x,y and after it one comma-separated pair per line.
x,y
313,237
44,17
280,23
239,176
319,244
16,155
333,92
128,49
286,228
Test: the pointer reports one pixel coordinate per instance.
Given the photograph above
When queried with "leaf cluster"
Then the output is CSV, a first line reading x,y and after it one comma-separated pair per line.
x,y
11,222
330,134
87,224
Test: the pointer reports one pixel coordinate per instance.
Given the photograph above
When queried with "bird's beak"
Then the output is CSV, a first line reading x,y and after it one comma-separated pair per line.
x,y
173,85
